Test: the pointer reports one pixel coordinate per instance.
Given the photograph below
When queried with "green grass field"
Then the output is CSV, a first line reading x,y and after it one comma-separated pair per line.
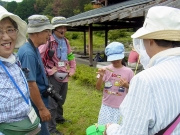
x,y
81,107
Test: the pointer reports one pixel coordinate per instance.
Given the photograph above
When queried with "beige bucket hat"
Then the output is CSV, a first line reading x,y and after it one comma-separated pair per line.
x,y
38,23
59,21
161,22
22,26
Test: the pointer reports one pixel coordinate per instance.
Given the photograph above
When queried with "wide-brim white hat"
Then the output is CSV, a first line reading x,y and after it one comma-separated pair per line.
x,y
59,21
38,23
22,26
161,22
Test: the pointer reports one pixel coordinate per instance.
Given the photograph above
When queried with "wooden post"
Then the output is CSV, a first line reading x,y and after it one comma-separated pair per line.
x,y
85,43
106,42
106,2
90,45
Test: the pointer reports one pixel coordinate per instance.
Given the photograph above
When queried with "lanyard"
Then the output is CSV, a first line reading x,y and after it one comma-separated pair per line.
x,y
39,62
26,99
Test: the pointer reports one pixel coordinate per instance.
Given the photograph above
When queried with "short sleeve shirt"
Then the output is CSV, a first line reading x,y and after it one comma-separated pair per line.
x,y
30,58
112,79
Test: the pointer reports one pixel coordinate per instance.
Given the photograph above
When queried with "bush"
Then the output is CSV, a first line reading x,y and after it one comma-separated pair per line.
x,y
85,75
74,35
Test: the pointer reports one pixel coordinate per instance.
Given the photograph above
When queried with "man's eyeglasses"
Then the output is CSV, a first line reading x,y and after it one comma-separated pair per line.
x,y
9,31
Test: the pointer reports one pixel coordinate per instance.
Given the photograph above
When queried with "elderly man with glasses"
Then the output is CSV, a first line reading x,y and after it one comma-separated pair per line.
x,y
39,31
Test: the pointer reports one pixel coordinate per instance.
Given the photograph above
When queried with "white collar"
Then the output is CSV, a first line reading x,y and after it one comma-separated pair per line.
x,y
11,59
169,52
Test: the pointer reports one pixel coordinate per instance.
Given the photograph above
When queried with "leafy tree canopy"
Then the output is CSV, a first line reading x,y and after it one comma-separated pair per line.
x,y
66,8
25,9
11,6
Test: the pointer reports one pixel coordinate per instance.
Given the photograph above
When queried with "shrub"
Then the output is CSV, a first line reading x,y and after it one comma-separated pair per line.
x,y
74,35
85,75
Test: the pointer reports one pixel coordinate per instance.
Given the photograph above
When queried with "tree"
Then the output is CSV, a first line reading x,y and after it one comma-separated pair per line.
x,y
41,5
25,9
88,7
48,10
68,8
82,3
3,3
11,6
56,7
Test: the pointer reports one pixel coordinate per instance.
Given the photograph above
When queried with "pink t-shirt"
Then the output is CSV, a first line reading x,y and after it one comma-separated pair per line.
x,y
133,57
113,94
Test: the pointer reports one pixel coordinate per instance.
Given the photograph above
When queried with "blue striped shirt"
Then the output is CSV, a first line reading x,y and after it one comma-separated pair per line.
x,y
153,101
12,105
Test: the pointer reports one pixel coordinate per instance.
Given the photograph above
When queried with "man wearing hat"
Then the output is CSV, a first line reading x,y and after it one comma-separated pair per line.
x,y
39,31
59,67
152,104
15,106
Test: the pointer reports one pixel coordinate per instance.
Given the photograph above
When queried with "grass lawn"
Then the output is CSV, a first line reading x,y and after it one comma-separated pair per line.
x,y
81,107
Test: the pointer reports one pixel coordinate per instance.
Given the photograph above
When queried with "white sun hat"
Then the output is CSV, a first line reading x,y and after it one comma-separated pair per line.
x,y
59,21
161,22
38,23
22,26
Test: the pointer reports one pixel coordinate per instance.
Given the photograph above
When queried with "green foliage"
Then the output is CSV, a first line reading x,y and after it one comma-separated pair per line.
x,y
41,5
88,7
48,10
113,35
81,107
74,36
76,39
25,9
99,33
85,75
76,11
11,6
121,35
50,17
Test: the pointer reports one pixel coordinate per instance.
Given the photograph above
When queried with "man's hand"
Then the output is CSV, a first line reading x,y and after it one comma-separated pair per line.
x,y
44,114
70,74
54,70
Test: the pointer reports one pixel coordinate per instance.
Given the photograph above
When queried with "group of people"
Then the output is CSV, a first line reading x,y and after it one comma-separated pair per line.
x,y
33,89
34,82
148,103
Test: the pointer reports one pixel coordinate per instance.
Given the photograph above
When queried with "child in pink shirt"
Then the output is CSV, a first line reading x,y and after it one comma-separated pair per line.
x,y
116,78
133,59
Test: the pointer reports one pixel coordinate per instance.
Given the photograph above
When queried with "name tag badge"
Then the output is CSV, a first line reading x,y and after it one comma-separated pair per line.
x,y
61,64
32,115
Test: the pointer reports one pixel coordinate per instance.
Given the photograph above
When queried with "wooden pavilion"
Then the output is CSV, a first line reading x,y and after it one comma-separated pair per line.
x,y
124,14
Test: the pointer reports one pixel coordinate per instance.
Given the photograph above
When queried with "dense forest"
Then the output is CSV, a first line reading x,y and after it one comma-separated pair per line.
x,y
49,8
67,8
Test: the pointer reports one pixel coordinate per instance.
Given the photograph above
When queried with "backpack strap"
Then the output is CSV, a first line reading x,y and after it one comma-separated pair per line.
x,y
47,56
169,129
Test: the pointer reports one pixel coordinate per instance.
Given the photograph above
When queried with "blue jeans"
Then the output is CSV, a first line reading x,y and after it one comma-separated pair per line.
x,y
44,129
44,125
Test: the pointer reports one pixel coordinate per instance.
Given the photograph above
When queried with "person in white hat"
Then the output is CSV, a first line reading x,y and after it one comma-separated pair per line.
x,y
152,105
59,66
15,106
39,31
